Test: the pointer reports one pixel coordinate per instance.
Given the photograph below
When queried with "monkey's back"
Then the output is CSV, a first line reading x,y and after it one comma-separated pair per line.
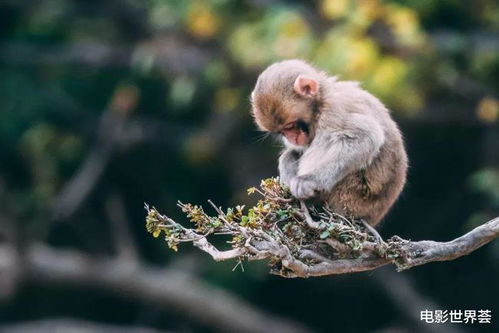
x,y
369,193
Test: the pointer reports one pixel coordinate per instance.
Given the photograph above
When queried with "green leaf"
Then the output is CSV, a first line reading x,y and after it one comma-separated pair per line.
x,y
244,220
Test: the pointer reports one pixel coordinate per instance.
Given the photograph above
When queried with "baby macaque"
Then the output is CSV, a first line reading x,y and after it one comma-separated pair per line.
x,y
341,145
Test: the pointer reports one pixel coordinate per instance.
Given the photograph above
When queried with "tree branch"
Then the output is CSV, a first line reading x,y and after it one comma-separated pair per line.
x,y
70,325
419,253
122,235
302,242
409,301
170,289
168,53
111,126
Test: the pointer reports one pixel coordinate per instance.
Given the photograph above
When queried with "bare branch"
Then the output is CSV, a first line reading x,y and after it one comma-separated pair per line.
x,y
297,244
112,124
9,272
172,290
410,301
70,325
310,221
123,238
420,253
168,53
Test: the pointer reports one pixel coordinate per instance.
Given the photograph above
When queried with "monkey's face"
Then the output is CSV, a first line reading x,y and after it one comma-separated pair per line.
x,y
290,118
283,101
296,133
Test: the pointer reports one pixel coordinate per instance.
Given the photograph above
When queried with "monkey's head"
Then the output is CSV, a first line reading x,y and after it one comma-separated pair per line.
x,y
285,100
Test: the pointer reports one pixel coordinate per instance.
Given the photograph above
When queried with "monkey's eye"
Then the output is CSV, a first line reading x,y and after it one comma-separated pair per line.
x,y
302,126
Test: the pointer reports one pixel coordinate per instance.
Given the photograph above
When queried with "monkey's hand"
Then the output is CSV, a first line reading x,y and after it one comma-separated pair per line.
x,y
288,166
303,187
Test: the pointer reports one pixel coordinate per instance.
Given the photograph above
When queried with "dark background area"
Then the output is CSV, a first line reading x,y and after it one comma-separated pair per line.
x,y
107,105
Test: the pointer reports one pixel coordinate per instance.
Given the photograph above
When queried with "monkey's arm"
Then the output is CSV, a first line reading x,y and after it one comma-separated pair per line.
x,y
334,154
288,165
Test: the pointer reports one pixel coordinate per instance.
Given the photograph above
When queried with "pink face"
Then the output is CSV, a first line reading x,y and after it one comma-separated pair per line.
x,y
294,134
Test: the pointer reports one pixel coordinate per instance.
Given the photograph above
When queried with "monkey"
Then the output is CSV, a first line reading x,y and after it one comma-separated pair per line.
x,y
341,146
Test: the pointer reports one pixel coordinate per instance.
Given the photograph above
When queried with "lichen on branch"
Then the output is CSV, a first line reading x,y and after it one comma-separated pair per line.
x,y
297,239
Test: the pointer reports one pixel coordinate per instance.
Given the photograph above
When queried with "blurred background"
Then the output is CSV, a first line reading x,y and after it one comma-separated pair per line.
x,y
106,105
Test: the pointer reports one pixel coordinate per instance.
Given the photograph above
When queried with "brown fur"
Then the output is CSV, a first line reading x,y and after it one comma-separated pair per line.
x,y
274,101
355,162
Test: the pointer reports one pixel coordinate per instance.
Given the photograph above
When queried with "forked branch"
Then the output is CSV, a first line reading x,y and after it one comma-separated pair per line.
x,y
302,241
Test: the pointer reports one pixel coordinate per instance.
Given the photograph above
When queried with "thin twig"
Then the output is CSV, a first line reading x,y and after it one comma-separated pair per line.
x,y
373,231
308,218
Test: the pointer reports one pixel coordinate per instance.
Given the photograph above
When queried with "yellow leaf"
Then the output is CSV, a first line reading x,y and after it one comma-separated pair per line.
x,y
156,233
201,20
370,10
251,190
294,26
488,110
388,74
333,9
293,35
405,25
363,55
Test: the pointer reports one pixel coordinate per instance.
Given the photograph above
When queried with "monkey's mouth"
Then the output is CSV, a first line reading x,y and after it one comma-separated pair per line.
x,y
296,132
296,137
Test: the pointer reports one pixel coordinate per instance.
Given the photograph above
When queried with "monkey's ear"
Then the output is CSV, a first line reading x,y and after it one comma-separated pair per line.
x,y
306,86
